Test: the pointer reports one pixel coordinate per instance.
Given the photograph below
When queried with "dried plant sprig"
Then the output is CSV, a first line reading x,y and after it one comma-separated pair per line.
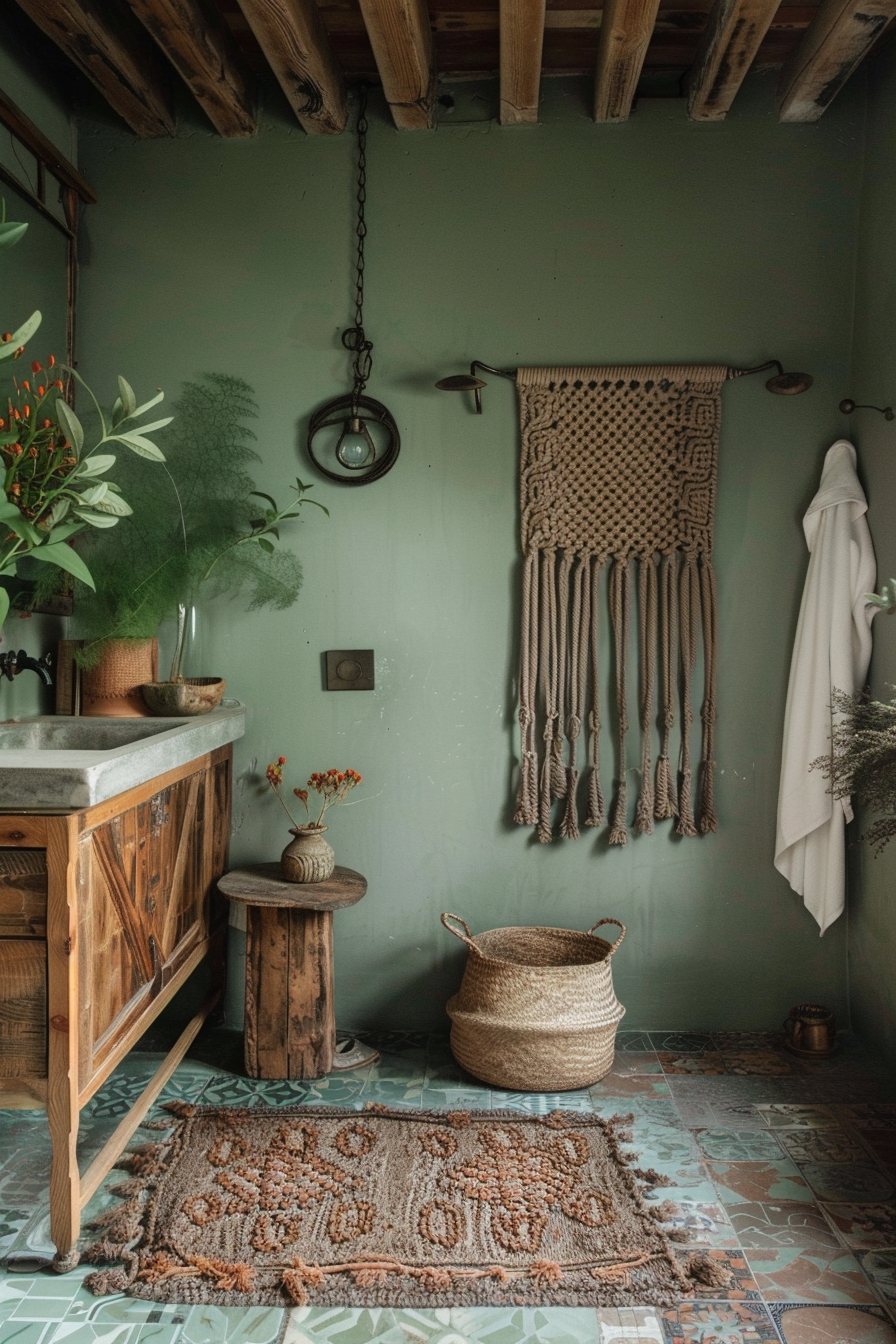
x,y
332,785
862,761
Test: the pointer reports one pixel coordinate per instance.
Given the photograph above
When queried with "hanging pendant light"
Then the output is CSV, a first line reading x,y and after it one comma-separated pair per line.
x,y
353,439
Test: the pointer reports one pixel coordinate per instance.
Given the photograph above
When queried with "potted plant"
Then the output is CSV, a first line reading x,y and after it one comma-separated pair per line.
x,y
207,532
55,485
308,857
863,760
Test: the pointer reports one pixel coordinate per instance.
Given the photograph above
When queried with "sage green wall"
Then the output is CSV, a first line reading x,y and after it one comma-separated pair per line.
x,y
872,931
564,243
33,276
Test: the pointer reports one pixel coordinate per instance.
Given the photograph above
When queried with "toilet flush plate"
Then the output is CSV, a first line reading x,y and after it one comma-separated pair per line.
x,y
349,669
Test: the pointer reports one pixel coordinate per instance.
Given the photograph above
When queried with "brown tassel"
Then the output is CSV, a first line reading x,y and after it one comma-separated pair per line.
x,y
686,824
651,1177
184,1109
687,650
569,826
708,1273
106,1281
708,821
663,805
619,616
526,813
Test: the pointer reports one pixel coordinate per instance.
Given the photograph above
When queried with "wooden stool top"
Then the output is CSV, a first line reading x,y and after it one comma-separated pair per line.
x,y
263,884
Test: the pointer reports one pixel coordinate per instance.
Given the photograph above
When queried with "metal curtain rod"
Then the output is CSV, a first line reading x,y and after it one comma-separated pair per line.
x,y
783,384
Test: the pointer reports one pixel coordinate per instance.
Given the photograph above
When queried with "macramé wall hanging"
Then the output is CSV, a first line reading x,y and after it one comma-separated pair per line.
x,y
618,474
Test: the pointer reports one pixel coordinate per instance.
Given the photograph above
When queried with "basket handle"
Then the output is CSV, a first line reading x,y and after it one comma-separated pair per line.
x,y
618,940
466,936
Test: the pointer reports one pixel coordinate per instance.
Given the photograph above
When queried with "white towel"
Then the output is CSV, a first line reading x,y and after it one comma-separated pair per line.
x,y
831,652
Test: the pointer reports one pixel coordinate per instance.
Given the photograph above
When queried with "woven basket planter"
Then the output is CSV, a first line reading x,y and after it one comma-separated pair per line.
x,y
536,1010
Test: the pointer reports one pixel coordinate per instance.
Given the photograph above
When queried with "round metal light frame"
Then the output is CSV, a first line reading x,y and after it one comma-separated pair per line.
x,y
369,410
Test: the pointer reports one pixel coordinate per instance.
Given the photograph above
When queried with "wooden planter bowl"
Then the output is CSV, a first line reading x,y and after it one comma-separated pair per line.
x,y
193,695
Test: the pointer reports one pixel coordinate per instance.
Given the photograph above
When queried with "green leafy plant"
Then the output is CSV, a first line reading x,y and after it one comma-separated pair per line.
x,y
53,486
886,599
210,532
862,761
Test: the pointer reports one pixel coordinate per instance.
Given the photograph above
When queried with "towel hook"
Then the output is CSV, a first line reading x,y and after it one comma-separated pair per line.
x,y
847,406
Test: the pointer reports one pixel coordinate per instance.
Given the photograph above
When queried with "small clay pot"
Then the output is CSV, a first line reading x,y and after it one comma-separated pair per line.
x,y
193,695
307,858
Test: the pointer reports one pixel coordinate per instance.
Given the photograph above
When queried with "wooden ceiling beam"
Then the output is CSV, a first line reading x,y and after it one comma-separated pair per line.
x,y
294,41
107,45
521,36
401,38
203,52
835,43
728,45
625,33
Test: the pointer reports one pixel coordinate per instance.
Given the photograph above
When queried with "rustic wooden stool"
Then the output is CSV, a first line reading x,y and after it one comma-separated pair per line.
x,y
290,1024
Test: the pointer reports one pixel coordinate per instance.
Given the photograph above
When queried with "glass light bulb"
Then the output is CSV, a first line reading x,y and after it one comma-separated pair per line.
x,y
355,447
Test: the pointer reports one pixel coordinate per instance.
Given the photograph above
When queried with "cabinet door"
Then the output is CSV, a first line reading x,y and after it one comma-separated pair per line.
x,y
146,880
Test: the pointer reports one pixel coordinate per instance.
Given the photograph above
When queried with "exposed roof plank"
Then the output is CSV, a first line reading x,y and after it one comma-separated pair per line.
x,y
43,149
295,43
625,33
107,44
202,50
839,37
733,35
401,39
521,39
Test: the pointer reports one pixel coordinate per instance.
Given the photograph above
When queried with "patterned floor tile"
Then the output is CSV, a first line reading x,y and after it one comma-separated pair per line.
x,y
629,1325
742,1286
794,1116
707,1062
633,1040
864,1226
878,1115
458,1098
781,1225
765,1063
624,1088
739,1182
719,1323
703,1113
848,1181
825,1325
390,1092
681,1042
702,1225
746,1040
635,1061
880,1268
734,1145
822,1145
449,1325
801,1275
882,1143
541,1103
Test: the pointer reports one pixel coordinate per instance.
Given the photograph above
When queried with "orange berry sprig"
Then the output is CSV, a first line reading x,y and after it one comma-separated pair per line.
x,y
332,786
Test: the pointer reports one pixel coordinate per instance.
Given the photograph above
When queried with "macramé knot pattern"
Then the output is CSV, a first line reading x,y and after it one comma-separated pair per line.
x,y
618,486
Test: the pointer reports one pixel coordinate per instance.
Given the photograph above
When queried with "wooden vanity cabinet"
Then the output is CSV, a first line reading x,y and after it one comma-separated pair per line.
x,y
104,913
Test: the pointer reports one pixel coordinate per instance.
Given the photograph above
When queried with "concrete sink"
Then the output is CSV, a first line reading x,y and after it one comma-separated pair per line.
x,y
58,764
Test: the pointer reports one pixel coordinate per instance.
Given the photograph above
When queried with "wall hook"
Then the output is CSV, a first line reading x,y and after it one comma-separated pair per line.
x,y
847,406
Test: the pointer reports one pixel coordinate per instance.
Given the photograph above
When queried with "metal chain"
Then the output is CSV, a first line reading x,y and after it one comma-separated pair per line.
x,y
354,338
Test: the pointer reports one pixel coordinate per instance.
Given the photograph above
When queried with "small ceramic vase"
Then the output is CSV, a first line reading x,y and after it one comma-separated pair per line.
x,y
307,858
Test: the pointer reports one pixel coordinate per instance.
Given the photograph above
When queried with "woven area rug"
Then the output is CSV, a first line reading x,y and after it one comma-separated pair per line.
x,y
389,1208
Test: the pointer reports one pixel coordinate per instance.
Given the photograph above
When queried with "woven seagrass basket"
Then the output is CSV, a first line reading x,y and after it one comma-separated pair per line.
x,y
536,1010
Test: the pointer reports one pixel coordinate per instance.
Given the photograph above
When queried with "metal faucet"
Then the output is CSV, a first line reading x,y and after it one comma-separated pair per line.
x,y
12,663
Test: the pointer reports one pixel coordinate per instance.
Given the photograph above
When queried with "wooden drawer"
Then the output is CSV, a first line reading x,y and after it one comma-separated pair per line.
x,y
23,893
23,1008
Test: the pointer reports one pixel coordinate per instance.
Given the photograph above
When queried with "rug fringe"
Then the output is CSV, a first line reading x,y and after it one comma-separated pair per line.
x,y
706,1272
